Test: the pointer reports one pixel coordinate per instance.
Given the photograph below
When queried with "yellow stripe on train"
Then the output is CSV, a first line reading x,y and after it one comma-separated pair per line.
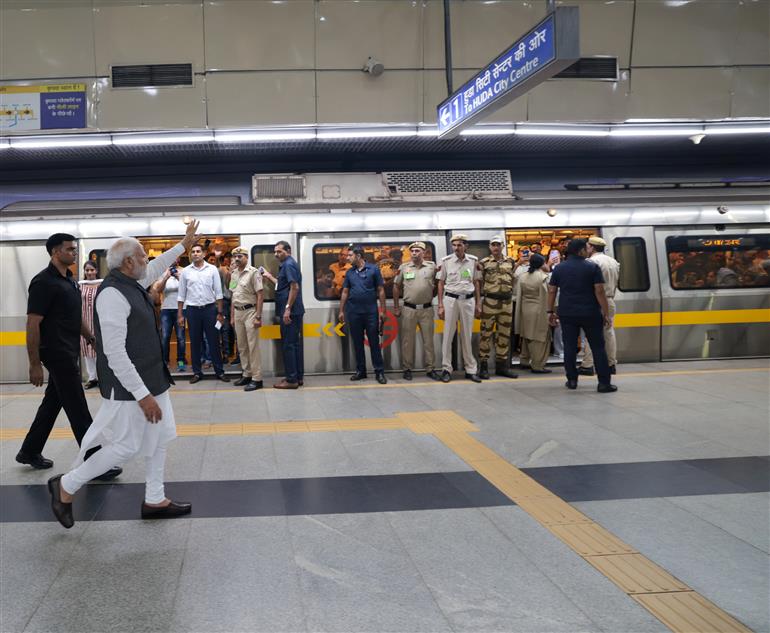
x,y
642,319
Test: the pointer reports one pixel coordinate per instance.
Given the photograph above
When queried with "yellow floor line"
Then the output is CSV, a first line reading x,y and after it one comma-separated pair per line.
x,y
557,376
667,598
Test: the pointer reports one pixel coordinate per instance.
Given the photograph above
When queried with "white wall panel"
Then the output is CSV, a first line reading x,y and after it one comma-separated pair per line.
x,y
751,92
152,108
46,40
350,31
247,99
576,100
134,33
605,28
681,93
698,33
355,97
259,34
480,29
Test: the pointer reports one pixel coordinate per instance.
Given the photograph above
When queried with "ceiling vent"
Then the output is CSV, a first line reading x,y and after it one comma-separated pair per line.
x,y
152,75
597,68
487,182
278,187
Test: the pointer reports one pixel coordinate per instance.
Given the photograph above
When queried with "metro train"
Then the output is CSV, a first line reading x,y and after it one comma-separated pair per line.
x,y
694,267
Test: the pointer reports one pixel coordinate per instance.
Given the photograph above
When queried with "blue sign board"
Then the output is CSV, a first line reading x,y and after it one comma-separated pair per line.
x,y
62,110
533,58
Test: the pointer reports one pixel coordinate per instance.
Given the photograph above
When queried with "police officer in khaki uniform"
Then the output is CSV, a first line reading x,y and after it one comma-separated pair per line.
x,y
497,283
459,298
246,316
416,280
610,271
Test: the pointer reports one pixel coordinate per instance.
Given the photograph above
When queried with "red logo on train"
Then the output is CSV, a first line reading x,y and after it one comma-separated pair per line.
x,y
389,330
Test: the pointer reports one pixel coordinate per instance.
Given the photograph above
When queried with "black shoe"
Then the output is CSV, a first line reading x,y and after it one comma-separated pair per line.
x,y
472,377
541,371
524,366
36,461
571,384
358,376
91,384
380,376
407,374
173,509
613,370
253,385
445,376
433,374
606,388
110,474
62,511
196,378
223,378
483,371
300,382
586,371
506,372
243,380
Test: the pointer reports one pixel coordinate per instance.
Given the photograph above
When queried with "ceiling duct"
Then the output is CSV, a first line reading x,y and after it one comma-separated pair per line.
x,y
278,187
152,75
475,183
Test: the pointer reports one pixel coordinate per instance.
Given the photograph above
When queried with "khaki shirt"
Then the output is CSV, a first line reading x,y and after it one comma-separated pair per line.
x,y
416,282
245,284
497,276
610,270
458,276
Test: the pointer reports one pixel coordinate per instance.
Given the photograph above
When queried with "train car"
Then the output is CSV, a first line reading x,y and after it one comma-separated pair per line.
x,y
694,266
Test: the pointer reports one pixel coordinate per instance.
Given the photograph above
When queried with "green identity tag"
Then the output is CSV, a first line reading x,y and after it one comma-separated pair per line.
x,y
465,274
233,284
409,275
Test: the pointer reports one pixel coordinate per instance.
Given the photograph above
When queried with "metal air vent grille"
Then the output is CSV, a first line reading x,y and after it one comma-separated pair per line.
x,y
599,68
149,75
278,187
489,181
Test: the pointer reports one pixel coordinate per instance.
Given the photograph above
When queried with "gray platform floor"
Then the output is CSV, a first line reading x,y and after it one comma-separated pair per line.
x,y
467,569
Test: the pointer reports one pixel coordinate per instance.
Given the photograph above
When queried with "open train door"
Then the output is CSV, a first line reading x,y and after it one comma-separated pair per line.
x,y
637,300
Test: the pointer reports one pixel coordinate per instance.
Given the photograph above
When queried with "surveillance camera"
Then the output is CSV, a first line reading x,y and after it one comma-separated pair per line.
x,y
697,138
374,67
723,210
551,212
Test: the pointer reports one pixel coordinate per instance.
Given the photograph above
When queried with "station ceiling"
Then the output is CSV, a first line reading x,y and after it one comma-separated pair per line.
x,y
647,155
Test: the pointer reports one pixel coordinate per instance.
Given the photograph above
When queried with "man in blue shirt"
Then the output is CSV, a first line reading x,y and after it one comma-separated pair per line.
x,y
362,288
582,305
289,310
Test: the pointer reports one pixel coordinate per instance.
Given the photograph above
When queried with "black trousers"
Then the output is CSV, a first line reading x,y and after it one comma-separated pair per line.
x,y
64,391
594,329
358,325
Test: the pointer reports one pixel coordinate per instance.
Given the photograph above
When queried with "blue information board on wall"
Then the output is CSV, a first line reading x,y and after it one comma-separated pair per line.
x,y
539,54
47,107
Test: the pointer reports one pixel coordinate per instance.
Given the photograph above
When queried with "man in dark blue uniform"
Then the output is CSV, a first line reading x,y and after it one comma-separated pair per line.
x,y
289,310
582,305
362,288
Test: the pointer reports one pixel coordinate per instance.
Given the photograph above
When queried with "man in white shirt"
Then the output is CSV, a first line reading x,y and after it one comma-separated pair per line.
x,y
136,416
200,300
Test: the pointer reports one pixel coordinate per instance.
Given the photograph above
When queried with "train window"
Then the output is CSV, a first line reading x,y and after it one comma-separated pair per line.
x,y
265,256
330,265
631,252
718,261
99,257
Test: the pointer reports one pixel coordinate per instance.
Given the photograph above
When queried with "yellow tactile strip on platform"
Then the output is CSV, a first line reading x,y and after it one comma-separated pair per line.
x,y
666,597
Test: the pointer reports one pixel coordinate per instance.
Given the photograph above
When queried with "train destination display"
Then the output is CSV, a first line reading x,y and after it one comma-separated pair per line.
x,y
542,52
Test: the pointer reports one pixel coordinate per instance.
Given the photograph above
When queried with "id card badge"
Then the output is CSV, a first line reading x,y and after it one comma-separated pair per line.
x,y
409,275
465,274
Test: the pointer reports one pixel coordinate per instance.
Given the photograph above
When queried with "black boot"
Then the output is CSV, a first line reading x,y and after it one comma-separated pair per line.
x,y
484,370
502,369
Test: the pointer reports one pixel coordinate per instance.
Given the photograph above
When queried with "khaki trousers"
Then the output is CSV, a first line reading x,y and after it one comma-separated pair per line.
x,y
461,309
535,353
609,341
410,319
248,343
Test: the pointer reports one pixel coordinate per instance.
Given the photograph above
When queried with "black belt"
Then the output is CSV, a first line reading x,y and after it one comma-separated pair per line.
x,y
414,306
199,307
454,296
248,306
500,296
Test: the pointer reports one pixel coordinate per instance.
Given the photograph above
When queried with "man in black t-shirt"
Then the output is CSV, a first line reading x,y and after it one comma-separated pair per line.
x,y
54,328
582,305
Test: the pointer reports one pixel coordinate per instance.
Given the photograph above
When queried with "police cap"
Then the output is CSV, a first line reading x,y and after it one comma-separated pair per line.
x,y
496,239
596,241
459,237
239,250
417,245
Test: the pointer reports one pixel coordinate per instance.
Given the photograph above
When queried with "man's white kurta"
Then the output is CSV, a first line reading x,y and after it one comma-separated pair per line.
x,y
122,422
